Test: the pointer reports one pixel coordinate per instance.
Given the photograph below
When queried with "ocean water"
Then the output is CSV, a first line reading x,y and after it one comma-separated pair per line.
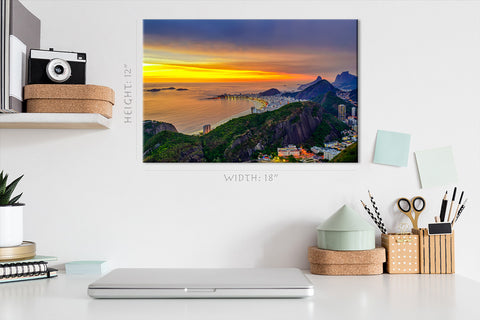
x,y
189,110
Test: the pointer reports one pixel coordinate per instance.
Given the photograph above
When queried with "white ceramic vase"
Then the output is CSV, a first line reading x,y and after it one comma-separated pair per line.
x,y
11,226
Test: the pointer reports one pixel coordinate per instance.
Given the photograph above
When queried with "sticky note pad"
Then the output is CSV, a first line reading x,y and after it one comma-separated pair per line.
x,y
392,148
436,167
86,267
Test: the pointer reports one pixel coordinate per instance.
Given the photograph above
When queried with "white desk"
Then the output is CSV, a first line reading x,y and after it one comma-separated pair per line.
x,y
369,297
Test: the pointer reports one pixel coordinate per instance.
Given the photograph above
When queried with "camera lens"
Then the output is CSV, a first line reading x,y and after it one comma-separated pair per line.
x,y
59,69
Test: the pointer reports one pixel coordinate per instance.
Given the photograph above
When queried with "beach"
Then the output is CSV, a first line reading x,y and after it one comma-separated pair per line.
x,y
189,110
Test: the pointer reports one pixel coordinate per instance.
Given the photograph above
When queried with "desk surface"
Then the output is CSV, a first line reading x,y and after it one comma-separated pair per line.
x,y
367,297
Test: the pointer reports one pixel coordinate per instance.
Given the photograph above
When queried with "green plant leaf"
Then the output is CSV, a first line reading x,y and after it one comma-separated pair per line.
x,y
14,200
9,190
3,183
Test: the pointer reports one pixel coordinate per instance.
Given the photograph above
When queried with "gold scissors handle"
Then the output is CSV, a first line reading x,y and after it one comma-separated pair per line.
x,y
417,205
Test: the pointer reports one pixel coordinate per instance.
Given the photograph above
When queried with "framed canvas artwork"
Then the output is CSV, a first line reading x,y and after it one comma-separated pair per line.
x,y
263,91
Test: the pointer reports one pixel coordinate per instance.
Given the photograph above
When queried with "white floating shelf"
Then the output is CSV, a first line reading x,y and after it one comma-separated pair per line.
x,y
54,121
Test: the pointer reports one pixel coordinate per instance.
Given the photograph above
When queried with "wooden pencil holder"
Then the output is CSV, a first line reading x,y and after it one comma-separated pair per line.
x,y
437,252
402,252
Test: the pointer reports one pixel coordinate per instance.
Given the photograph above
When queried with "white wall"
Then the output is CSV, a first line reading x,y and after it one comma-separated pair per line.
x,y
89,196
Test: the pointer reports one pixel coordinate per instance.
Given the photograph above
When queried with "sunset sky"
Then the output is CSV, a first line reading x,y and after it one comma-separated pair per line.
x,y
189,51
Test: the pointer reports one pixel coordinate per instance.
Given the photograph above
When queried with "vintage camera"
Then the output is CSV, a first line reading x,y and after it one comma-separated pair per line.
x,y
48,66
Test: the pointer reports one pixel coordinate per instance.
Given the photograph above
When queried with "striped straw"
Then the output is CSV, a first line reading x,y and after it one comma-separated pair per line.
x,y
380,226
379,218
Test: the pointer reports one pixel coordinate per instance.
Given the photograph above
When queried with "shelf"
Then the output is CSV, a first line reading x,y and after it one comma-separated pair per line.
x,y
54,121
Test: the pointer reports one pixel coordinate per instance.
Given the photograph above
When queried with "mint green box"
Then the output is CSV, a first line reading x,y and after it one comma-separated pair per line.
x,y
345,230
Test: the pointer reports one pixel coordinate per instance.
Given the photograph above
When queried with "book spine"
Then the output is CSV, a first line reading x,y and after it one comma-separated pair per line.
x,y
6,56
21,269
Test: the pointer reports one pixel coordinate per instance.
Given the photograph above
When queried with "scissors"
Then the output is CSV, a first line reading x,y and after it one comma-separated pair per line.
x,y
417,204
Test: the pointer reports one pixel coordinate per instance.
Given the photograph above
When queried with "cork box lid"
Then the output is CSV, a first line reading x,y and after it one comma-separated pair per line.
x,y
69,91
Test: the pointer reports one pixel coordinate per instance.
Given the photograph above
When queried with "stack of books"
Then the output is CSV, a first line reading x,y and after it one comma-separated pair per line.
x,y
19,32
20,270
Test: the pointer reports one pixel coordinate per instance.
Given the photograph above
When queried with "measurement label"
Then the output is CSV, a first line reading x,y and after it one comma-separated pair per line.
x,y
127,94
251,177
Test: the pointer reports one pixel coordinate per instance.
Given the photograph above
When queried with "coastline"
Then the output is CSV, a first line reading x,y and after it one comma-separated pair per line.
x,y
259,104
219,123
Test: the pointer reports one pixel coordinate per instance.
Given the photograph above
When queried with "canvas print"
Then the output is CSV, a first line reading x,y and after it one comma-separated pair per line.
x,y
264,91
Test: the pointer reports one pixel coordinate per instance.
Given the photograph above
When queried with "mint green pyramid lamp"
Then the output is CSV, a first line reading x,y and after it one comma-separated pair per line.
x,y
345,230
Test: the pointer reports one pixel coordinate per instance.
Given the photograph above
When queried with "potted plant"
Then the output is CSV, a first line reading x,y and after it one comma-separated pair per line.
x,y
11,213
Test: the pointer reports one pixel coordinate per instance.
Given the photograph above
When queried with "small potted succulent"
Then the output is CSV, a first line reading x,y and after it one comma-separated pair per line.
x,y
11,213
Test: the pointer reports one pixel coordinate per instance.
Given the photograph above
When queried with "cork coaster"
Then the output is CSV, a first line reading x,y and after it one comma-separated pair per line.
x,y
361,257
69,98
346,269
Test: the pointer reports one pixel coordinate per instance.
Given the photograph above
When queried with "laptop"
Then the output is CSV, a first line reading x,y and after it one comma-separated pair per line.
x,y
202,283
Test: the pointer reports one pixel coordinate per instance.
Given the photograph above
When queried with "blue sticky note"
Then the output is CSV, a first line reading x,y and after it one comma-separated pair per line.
x,y
392,148
436,167
85,267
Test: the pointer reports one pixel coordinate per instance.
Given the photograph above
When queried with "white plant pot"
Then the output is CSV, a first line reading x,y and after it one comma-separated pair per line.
x,y
11,226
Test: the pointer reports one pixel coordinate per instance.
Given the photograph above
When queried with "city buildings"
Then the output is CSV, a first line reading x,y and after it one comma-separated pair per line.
x,y
329,154
291,150
207,128
342,112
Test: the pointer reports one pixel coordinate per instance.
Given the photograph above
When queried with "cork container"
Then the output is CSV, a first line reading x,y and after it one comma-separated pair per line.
x,y
69,98
357,262
402,252
437,252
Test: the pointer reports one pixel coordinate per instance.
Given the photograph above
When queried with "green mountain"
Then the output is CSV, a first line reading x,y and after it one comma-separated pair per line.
x,y
350,154
330,102
269,92
241,140
317,89
169,146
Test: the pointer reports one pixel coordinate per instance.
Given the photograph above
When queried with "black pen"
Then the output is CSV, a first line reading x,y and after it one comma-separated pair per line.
x,y
458,207
451,204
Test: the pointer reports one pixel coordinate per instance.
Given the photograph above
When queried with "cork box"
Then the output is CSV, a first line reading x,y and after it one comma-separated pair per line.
x,y
437,252
356,262
402,252
69,98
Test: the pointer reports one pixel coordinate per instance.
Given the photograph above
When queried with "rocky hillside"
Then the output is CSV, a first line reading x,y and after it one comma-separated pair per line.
x,y
241,139
345,81
152,127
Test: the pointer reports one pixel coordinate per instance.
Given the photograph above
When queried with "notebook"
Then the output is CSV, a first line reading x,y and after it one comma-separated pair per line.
x,y
19,32
35,268
202,283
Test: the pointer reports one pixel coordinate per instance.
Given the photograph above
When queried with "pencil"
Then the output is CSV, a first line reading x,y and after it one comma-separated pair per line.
x,y
451,204
444,207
